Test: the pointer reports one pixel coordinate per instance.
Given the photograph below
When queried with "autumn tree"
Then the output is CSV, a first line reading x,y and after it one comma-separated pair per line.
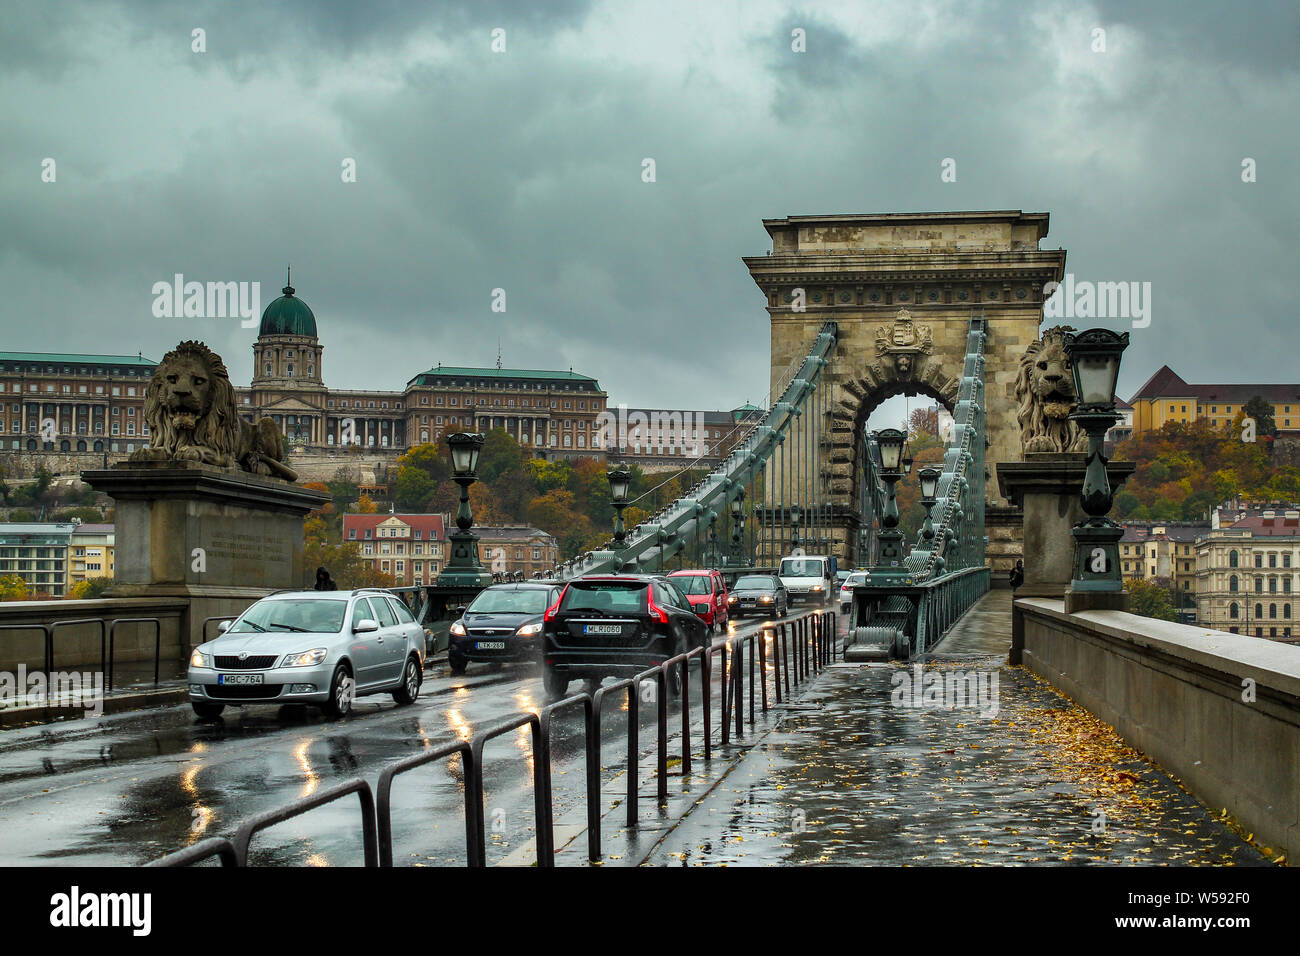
x,y
1149,600
12,588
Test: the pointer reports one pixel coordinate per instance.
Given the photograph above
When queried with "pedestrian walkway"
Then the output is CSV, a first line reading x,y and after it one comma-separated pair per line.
x,y
963,760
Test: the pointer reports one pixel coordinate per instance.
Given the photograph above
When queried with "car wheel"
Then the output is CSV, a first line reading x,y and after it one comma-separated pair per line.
x,y
457,664
555,683
207,711
410,688
342,690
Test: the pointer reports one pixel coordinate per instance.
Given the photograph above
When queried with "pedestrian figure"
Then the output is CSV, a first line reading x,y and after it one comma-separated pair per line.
x,y
1016,577
324,582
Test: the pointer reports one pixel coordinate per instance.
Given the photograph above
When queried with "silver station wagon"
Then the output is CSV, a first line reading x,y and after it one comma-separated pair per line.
x,y
311,647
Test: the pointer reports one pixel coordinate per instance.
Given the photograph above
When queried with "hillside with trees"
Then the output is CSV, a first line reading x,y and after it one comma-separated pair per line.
x,y
1185,470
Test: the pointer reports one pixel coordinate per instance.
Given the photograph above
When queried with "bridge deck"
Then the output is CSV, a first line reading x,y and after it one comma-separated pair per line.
x,y
859,773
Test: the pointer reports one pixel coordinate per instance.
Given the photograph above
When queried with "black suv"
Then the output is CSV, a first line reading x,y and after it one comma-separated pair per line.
x,y
503,623
617,625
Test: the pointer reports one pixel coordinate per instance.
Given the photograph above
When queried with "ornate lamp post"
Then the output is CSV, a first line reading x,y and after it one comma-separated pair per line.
x,y
796,513
738,557
1094,363
620,482
463,568
890,564
929,478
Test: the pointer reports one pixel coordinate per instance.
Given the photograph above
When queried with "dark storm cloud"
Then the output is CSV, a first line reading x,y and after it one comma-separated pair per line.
x,y
522,171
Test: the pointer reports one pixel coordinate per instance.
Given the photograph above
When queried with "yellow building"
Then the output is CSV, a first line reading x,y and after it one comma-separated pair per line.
x,y
1163,553
1167,398
90,552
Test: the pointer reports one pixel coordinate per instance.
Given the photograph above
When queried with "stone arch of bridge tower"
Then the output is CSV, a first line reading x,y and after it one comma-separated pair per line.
x,y
859,394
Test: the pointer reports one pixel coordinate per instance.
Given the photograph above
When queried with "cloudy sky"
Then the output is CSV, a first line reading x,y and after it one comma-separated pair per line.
x,y
522,170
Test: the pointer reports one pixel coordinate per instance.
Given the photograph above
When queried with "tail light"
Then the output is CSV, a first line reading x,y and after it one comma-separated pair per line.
x,y
654,609
554,609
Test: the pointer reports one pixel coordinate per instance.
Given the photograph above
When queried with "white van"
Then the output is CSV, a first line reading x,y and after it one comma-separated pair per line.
x,y
808,577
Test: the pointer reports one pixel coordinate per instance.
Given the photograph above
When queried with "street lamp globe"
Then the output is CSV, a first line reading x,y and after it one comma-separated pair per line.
x,y
929,478
738,505
907,465
465,448
890,441
620,482
1094,364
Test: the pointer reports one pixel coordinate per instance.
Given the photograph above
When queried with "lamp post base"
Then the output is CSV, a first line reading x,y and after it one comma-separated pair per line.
x,y
463,569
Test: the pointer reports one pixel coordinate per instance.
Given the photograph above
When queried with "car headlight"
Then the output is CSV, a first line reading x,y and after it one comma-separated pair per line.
x,y
816,587
732,599
766,599
199,659
458,629
305,659
529,630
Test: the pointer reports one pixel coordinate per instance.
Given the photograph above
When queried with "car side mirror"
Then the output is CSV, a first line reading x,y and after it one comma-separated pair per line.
x,y
365,625
460,611
702,610
223,626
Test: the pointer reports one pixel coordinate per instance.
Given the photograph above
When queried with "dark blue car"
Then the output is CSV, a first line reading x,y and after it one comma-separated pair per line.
x,y
503,623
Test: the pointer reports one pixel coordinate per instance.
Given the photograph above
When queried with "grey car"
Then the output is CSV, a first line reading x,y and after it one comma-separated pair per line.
x,y
762,594
311,647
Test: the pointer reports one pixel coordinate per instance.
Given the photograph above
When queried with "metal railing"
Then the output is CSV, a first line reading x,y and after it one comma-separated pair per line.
x,y
800,647
107,643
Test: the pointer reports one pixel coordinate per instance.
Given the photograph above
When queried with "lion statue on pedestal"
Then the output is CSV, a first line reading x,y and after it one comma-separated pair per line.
x,y
190,409
1045,396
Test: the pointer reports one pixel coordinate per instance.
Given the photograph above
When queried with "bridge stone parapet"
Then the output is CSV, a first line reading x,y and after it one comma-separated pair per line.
x,y
1221,711
79,644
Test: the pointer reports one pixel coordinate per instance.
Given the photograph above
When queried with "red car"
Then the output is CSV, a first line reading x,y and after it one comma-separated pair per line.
x,y
707,592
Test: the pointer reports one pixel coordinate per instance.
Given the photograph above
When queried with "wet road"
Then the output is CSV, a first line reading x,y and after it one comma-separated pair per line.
x,y
129,788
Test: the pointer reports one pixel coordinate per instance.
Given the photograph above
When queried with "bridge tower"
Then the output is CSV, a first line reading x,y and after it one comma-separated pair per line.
x,y
901,288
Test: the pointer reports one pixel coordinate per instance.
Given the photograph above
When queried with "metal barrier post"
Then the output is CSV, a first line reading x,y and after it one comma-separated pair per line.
x,y
249,828
547,852
219,847
385,786
597,704
762,667
47,648
103,639
112,634
738,691
544,834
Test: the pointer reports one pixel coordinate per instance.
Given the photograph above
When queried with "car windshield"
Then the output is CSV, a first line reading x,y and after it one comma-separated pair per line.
x,y
509,601
694,583
801,568
316,616
855,579
753,582
607,597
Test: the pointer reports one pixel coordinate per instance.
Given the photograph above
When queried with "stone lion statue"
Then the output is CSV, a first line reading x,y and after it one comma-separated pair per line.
x,y
1045,396
190,409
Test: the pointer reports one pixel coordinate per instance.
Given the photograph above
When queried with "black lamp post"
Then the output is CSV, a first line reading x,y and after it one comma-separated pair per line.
x,y
796,513
738,530
620,482
1094,363
463,568
929,478
890,441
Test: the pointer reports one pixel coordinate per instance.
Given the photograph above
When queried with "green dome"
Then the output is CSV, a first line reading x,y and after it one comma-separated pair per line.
x,y
288,315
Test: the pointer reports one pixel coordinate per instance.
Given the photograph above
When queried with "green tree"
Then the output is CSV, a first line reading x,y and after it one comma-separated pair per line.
x,y
1149,600
12,588
500,453
89,589
1261,410
414,488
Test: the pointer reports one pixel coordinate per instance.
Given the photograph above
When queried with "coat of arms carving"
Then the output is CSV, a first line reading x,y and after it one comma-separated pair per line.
x,y
904,341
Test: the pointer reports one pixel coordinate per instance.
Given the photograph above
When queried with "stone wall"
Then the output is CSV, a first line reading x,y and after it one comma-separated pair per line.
x,y
79,644
1218,710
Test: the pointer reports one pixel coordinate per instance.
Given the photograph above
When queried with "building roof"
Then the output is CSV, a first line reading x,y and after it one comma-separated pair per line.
x,y
87,528
77,358
501,373
418,522
510,533
288,315
1167,383
1277,526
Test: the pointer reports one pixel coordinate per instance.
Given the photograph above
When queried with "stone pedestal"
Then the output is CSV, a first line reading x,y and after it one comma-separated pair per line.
x,y
1046,486
220,538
